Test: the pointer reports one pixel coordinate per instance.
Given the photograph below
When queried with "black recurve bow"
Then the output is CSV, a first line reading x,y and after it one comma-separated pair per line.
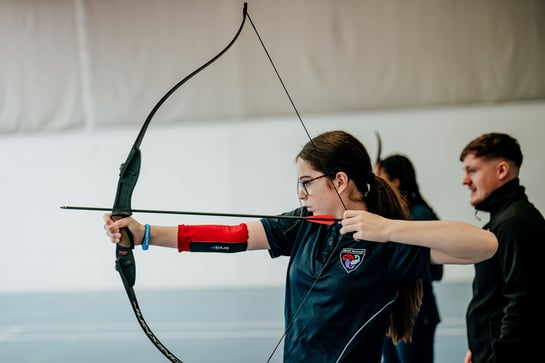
x,y
128,176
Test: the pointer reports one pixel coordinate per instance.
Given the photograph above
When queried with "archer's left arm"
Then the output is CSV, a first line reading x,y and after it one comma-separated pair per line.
x,y
449,241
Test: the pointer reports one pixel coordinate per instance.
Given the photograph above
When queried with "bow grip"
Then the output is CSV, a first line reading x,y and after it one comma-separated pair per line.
x,y
127,239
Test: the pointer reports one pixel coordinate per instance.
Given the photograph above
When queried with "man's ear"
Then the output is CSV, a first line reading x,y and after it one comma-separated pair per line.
x,y
503,169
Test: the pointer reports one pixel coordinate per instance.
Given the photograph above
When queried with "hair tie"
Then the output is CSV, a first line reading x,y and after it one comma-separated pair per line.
x,y
371,183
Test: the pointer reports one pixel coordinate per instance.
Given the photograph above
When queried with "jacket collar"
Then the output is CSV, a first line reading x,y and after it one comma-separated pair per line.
x,y
501,196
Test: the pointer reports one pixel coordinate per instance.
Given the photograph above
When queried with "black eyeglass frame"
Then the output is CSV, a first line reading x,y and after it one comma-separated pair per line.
x,y
302,185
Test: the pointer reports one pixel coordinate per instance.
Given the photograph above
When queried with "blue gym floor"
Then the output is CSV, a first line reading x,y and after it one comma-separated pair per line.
x,y
198,326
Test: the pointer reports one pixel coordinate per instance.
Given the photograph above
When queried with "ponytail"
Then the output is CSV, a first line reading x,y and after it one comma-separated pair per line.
x,y
405,310
382,199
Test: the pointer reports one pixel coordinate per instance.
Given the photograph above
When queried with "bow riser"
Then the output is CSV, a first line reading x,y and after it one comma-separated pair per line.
x,y
128,176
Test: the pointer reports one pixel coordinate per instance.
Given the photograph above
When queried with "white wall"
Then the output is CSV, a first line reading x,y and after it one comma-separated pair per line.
x,y
244,167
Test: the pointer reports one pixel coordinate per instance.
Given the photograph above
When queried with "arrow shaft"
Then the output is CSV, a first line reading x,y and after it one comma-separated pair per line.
x,y
217,214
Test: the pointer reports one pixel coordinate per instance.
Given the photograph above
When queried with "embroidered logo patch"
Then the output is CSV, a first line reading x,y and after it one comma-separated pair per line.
x,y
351,258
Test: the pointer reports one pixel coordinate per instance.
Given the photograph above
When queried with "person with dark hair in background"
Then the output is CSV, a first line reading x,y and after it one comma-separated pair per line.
x,y
505,319
399,171
348,282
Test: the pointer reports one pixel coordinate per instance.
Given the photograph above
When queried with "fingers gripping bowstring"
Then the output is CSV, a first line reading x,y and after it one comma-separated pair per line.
x,y
292,320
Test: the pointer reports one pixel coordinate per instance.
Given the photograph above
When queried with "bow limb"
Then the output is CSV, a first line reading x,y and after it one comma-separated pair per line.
x,y
138,140
128,176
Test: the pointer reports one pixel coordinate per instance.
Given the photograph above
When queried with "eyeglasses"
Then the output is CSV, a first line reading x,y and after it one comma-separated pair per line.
x,y
302,185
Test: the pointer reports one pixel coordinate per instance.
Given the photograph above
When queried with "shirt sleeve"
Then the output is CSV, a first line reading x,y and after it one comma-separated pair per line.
x,y
281,233
412,262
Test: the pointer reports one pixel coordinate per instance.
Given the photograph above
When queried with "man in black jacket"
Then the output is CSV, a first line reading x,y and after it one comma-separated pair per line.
x,y
505,318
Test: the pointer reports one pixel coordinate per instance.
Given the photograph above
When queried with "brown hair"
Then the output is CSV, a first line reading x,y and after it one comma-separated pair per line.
x,y
494,145
335,151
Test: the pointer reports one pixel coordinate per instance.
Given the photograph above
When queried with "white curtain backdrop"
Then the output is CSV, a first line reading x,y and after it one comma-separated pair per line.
x,y
71,64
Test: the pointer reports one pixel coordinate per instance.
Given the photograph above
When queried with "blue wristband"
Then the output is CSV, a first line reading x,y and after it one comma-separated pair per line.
x,y
145,242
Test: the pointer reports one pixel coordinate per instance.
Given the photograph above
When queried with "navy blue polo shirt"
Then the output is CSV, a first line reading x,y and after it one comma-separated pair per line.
x,y
345,316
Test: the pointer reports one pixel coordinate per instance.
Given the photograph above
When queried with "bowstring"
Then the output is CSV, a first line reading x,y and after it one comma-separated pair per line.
x,y
291,101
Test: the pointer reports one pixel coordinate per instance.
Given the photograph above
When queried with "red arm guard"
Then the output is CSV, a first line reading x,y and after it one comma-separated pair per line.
x,y
212,238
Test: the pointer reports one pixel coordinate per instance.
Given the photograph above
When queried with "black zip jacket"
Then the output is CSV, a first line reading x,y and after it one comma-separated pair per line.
x,y
506,317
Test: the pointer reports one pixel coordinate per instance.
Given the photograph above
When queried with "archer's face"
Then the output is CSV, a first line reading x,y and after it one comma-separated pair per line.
x,y
315,190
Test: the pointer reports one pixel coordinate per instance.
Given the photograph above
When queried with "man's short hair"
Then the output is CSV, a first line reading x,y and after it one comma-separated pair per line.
x,y
494,145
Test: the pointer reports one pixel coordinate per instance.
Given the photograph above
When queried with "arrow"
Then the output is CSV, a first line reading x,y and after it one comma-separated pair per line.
x,y
326,219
